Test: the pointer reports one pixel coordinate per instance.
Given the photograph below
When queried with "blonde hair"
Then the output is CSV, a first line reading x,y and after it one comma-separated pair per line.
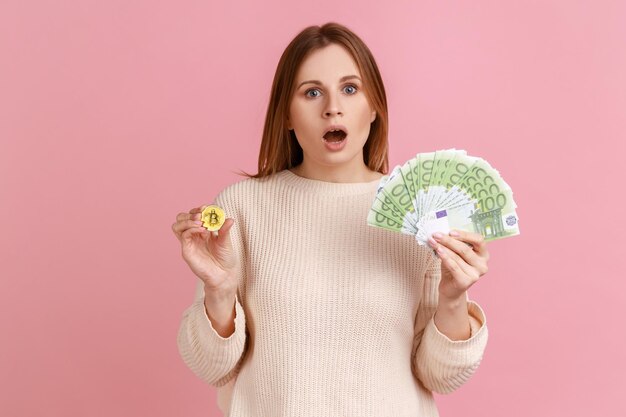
x,y
279,146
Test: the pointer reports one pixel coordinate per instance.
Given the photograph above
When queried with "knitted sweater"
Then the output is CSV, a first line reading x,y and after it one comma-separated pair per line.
x,y
333,317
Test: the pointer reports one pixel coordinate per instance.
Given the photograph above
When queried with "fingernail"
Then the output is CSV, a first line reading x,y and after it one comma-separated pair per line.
x,y
198,222
432,243
441,251
437,235
454,233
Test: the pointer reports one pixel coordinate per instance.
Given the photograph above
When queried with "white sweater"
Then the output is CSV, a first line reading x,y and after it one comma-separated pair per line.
x,y
333,317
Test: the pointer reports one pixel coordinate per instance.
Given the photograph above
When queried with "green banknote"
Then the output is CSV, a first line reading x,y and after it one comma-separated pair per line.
x,y
444,190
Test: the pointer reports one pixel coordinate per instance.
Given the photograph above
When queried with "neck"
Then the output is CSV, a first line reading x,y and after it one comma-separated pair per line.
x,y
337,174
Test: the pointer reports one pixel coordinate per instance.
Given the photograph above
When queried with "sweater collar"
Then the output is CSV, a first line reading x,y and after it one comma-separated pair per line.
x,y
325,187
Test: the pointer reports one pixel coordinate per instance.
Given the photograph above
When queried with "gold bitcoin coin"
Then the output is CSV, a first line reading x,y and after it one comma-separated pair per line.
x,y
212,218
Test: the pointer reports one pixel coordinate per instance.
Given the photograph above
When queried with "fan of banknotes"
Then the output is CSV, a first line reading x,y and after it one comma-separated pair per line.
x,y
444,190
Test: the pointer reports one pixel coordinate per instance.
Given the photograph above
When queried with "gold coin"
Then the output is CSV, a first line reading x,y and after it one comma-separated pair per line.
x,y
212,218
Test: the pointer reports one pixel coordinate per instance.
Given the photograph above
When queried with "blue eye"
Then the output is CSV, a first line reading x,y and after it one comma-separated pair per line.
x,y
353,87
350,93
306,93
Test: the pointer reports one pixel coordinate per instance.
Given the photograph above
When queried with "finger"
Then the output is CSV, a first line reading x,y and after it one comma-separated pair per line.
x,y
197,209
189,233
464,252
475,239
461,248
184,216
457,265
180,226
188,216
457,272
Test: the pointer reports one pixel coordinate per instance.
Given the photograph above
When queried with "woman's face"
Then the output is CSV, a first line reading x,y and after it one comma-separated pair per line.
x,y
329,92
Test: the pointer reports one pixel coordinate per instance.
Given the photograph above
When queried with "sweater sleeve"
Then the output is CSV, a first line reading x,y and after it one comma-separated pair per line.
x,y
442,364
211,357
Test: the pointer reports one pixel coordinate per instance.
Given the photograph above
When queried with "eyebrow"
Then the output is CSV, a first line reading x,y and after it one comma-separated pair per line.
x,y
342,79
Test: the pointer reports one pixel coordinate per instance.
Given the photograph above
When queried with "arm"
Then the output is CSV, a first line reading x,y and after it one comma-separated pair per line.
x,y
221,311
452,319
212,337
439,362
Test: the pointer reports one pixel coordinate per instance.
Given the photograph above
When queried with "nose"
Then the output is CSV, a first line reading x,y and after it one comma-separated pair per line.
x,y
332,107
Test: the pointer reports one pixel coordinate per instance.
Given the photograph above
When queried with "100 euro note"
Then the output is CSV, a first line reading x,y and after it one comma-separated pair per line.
x,y
444,190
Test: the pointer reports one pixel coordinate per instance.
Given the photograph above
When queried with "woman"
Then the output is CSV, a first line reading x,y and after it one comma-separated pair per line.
x,y
302,309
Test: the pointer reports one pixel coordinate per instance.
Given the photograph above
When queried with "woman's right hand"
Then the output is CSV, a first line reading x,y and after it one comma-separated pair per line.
x,y
210,255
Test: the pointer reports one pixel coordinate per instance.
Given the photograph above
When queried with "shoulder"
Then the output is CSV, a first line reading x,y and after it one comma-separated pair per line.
x,y
247,190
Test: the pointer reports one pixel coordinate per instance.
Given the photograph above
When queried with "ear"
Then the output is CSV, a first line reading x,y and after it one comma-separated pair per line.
x,y
373,116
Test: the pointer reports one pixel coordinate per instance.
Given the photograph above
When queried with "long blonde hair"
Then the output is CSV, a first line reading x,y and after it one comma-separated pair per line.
x,y
279,146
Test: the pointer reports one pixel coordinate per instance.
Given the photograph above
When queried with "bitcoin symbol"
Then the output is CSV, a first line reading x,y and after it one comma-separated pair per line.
x,y
212,218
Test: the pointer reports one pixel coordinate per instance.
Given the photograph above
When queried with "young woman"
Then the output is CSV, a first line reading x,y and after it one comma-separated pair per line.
x,y
301,308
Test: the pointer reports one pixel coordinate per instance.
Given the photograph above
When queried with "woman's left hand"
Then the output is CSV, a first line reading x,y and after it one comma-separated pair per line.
x,y
464,259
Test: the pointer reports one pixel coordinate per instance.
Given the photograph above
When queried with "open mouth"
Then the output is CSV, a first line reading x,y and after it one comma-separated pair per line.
x,y
335,136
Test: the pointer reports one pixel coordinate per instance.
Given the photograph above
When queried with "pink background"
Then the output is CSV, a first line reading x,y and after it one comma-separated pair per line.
x,y
115,116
